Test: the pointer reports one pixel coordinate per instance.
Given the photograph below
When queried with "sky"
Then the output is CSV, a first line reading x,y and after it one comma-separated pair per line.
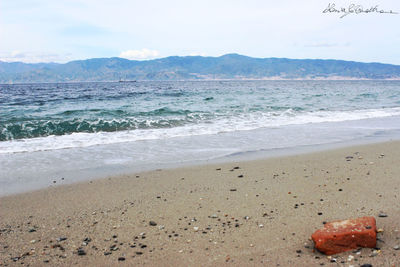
x,y
63,30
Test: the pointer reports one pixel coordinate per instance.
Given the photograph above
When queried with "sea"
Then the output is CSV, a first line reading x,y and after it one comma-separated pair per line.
x,y
58,133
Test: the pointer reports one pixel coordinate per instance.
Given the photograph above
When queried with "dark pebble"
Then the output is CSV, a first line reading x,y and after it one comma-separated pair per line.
x,y
121,258
32,230
233,189
298,251
106,253
240,176
81,252
319,213
366,265
382,215
61,239
152,223
139,253
236,168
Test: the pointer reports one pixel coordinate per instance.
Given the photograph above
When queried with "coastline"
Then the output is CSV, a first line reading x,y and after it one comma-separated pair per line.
x,y
207,215
43,168
274,78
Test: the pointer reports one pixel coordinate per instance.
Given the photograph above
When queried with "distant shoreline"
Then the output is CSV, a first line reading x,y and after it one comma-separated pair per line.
x,y
216,80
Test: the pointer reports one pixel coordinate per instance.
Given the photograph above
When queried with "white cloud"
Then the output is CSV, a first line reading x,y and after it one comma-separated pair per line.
x,y
139,54
34,57
198,54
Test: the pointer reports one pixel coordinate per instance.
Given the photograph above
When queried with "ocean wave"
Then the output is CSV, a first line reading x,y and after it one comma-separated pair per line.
x,y
216,125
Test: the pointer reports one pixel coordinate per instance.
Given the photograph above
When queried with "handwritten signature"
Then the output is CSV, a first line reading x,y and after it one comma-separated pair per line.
x,y
355,9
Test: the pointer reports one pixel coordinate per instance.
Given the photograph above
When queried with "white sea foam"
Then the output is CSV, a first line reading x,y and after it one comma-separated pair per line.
x,y
243,122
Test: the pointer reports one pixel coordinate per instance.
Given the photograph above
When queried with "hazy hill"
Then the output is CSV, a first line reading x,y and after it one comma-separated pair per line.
x,y
230,66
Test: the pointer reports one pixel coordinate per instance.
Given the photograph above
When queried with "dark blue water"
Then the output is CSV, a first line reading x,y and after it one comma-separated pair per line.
x,y
155,110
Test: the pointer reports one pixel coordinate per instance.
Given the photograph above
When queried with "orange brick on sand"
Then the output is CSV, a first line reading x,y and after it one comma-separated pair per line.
x,y
341,236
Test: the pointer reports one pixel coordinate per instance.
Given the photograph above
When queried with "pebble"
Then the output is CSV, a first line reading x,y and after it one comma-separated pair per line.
x,y
214,216
366,265
382,215
59,239
161,227
240,176
106,253
233,189
350,258
121,258
81,252
196,228
152,223
375,253
397,247
31,230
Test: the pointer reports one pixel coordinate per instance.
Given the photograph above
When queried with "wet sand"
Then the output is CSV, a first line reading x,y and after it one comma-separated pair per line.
x,y
248,213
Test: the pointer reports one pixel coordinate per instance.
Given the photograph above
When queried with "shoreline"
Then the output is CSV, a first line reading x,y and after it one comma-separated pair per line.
x,y
256,212
41,169
331,78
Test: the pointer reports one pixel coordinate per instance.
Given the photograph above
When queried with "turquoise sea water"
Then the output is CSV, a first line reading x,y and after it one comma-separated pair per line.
x,y
82,129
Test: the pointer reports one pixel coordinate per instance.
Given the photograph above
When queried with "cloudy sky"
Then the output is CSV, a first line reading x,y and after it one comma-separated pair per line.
x,y
64,30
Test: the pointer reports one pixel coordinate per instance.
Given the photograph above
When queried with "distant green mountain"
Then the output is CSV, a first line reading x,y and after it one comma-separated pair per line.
x,y
230,66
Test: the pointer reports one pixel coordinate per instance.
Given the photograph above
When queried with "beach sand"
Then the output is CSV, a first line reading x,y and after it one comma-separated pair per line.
x,y
261,213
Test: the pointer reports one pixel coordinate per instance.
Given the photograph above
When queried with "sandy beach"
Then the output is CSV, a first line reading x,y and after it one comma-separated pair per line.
x,y
253,213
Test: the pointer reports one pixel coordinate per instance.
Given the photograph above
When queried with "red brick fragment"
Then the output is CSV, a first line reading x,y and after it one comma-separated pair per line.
x,y
341,236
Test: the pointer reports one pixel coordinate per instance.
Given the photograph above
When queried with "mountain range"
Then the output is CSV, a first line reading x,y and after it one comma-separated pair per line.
x,y
230,66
